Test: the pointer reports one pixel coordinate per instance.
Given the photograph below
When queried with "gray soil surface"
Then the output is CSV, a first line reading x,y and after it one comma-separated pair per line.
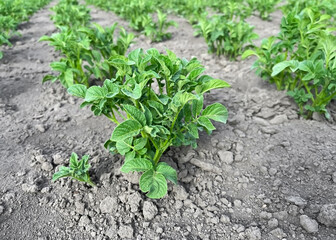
x,y
266,174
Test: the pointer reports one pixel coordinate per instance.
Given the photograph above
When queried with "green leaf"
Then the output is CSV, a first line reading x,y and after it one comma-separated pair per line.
x,y
124,146
212,84
248,53
153,183
167,171
216,112
126,129
193,130
112,88
197,106
140,143
137,165
68,77
77,90
293,64
58,66
205,122
95,93
63,172
136,114
135,93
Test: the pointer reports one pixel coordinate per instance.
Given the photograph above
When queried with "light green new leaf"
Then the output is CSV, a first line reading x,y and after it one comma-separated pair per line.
x,y
95,93
137,165
167,171
212,84
216,112
136,114
77,90
139,143
153,183
205,122
126,129
197,106
124,146
135,93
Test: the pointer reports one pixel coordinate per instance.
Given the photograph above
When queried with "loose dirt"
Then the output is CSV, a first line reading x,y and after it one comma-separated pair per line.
x,y
267,174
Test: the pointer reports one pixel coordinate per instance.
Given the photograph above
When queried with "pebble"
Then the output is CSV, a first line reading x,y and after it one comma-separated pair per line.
x,y
327,215
108,205
310,225
58,159
134,201
46,166
149,210
84,221
40,127
125,231
273,223
278,233
226,156
298,201
260,121
206,166
253,233
225,219
30,188
80,207
180,193
279,119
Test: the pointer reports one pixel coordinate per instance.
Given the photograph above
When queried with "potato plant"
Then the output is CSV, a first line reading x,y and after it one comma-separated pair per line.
x,y
12,13
140,15
70,13
156,101
86,51
226,37
299,59
264,7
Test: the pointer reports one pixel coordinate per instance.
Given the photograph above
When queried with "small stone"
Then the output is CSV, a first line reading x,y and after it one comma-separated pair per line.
x,y
149,210
327,215
41,158
84,221
279,119
253,233
225,219
108,205
206,166
273,223
181,193
125,231
58,159
226,156
134,201
46,166
80,207
40,127
265,215
298,201
30,188
278,233
237,203
260,121
310,225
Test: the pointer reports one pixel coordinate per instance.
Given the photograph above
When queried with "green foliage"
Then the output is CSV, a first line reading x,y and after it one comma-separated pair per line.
x,y
12,13
70,13
78,170
298,60
226,37
140,15
86,51
264,7
153,120
157,31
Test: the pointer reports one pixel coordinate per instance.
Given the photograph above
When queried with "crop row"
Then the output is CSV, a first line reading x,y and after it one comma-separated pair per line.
x,y
14,12
155,100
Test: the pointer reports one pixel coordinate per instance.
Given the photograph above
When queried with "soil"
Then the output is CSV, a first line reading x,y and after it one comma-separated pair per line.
x,y
266,174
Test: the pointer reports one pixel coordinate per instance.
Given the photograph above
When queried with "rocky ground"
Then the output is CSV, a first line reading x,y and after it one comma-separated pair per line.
x,y
267,174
